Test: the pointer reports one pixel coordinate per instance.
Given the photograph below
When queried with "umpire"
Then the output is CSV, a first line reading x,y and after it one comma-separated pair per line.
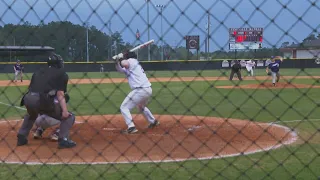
x,y
46,85
236,69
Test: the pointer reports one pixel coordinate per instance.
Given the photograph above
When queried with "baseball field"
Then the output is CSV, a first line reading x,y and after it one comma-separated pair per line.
x,y
211,128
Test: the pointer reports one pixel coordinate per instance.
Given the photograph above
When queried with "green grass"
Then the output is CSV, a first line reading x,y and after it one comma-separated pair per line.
x,y
184,98
203,73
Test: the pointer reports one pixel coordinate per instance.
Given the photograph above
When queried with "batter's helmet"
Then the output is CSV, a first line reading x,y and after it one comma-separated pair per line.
x,y
55,60
128,55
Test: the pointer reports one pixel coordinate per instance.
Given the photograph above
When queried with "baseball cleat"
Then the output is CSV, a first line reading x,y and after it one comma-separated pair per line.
x,y
55,136
66,143
152,125
38,133
130,130
274,84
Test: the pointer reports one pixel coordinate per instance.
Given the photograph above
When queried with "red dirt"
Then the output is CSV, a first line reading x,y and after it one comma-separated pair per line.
x,y
270,86
177,138
160,79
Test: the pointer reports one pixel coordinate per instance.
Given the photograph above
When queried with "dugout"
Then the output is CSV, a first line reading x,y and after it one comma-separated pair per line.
x,y
24,53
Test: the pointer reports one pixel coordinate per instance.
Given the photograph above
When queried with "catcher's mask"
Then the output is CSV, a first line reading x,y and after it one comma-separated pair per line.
x,y
128,55
55,60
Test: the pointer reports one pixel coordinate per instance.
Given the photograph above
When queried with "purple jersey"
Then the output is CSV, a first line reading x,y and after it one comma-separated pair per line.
x,y
275,66
18,67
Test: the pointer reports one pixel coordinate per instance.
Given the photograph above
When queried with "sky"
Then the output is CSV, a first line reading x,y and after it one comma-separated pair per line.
x,y
298,18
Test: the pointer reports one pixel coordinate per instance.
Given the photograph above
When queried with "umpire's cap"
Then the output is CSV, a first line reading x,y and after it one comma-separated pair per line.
x,y
55,60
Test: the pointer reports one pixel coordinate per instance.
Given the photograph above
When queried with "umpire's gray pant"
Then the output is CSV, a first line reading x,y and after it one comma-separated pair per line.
x,y
33,105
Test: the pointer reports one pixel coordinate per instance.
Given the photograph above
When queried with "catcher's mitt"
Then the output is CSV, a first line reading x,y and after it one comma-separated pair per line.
x,y
269,73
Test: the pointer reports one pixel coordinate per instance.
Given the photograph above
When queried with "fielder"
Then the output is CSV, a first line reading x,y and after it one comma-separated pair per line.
x,y
18,67
274,66
101,68
140,94
250,66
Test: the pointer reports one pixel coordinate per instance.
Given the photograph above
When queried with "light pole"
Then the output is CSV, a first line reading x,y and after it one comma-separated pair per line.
x,y
87,25
110,39
161,9
148,29
208,25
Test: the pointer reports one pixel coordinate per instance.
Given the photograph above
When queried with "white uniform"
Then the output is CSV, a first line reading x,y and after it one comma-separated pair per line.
x,y
140,94
249,66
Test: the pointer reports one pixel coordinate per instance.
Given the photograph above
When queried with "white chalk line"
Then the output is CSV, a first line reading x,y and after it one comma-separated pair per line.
x,y
292,121
10,105
272,147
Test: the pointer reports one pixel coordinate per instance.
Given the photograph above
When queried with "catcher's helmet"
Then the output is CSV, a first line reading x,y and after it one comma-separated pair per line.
x,y
55,60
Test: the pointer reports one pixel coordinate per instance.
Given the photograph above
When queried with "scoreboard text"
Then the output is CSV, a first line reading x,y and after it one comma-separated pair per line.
x,y
239,35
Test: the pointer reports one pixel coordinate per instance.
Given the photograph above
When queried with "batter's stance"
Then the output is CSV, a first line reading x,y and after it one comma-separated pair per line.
x,y
140,94
18,68
46,85
274,66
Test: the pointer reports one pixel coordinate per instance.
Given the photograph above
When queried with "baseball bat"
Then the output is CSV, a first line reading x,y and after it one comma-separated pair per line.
x,y
135,48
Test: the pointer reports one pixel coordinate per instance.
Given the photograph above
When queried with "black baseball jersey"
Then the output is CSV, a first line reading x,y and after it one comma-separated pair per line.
x,y
236,67
48,79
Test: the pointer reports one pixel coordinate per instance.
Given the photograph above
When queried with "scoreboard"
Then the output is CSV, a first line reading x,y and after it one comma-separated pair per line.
x,y
245,38
239,35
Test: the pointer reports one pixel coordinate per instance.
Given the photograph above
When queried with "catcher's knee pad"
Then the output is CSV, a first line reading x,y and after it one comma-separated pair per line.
x,y
45,121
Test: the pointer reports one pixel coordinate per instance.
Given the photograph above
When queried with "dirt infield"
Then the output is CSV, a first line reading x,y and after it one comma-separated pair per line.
x,y
160,79
270,86
178,138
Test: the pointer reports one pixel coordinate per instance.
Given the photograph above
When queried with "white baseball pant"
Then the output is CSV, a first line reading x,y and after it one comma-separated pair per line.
x,y
16,74
250,70
45,121
275,76
137,98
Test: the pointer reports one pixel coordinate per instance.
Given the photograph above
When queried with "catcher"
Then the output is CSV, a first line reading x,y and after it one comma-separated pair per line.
x,y
274,67
44,121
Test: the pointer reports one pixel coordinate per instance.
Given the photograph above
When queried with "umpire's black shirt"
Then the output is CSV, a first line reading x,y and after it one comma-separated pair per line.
x,y
48,79
236,67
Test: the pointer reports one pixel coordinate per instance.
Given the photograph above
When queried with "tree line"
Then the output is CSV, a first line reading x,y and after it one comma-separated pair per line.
x,y
69,40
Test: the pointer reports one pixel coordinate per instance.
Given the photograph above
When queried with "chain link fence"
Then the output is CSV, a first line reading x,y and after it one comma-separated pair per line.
x,y
204,119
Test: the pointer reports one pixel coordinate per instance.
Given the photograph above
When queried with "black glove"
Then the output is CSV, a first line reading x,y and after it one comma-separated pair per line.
x,y
67,97
269,73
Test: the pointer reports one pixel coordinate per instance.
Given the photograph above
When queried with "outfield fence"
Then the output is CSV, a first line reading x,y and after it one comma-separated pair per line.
x,y
195,65
210,125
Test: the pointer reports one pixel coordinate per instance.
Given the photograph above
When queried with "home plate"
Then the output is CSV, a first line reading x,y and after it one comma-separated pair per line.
x,y
194,128
110,129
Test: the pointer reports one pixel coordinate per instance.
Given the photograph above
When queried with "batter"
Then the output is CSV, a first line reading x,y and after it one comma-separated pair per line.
x,y
140,94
